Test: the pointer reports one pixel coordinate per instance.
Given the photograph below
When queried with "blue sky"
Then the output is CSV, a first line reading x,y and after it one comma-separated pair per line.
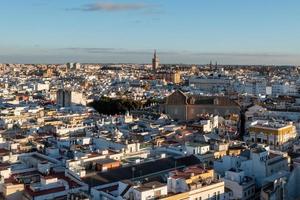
x,y
183,31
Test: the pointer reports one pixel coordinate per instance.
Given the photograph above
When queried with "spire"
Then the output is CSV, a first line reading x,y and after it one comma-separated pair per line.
x,y
155,60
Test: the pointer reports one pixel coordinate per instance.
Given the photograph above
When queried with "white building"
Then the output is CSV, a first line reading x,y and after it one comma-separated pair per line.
x,y
77,98
259,164
255,87
197,148
242,187
209,83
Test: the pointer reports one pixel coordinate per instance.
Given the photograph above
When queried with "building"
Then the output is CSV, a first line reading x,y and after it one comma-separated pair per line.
x,y
277,135
241,186
48,73
67,98
70,65
169,76
155,61
210,83
130,190
197,148
140,171
63,98
258,163
256,87
77,66
183,107
274,190
194,182
53,186
77,98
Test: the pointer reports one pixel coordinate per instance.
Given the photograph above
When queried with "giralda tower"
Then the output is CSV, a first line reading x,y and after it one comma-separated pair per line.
x,y
155,61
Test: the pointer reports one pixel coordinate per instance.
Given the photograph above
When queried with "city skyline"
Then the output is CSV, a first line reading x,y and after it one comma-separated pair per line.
x,y
229,32
149,99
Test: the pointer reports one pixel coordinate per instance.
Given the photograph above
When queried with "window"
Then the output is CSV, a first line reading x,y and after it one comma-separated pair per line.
x,y
258,140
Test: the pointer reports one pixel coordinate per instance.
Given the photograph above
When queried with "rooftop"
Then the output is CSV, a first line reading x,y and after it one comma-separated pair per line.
x,y
150,186
146,169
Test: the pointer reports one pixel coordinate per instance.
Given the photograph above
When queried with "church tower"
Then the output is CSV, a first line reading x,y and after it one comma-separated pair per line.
x,y
155,61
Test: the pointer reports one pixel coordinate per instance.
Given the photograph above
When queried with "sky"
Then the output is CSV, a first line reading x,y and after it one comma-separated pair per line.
x,y
127,31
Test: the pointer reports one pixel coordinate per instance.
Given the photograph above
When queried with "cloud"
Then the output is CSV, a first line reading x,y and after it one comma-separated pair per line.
x,y
111,7
106,50
242,54
125,55
182,52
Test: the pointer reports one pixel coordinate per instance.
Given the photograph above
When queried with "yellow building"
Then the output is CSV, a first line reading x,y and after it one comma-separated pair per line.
x,y
274,134
173,76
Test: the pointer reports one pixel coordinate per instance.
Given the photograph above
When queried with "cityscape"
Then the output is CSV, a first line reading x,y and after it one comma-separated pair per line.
x,y
100,115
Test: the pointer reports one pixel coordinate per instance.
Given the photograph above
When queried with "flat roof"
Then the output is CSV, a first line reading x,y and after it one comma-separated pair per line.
x,y
150,186
146,169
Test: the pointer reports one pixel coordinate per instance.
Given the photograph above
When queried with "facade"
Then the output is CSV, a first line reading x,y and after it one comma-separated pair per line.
x,y
172,76
63,98
197,148
183,107
51,187
67,98
209,84
151,190
256,87
273,190
258,163
77,98
242,187
275,134
284,88
195,183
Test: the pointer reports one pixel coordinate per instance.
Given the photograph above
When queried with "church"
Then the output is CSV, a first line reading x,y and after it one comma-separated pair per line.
x,y
181,106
